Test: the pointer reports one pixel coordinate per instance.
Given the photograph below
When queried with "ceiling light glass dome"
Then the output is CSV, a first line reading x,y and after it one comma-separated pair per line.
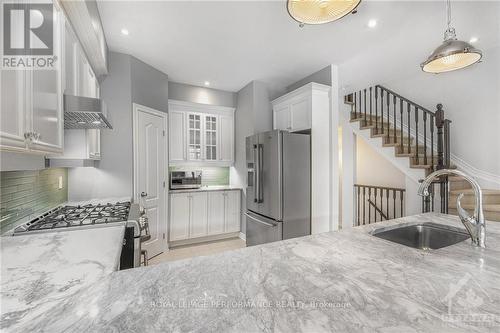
x,y
320,11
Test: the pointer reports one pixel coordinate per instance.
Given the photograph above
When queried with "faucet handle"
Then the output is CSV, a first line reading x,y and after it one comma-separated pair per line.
x,y
468,221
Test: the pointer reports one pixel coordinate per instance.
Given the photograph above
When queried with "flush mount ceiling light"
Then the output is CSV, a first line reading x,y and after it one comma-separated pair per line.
x,y
453,54
124,32
320,11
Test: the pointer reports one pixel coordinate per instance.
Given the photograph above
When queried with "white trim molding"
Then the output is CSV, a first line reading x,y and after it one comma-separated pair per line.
x,y
242,236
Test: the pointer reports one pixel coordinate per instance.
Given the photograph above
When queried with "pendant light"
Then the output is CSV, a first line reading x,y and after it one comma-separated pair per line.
x,y
320,11
453,54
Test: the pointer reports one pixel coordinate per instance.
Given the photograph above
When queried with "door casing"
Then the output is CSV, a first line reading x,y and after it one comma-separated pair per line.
x,y
137,108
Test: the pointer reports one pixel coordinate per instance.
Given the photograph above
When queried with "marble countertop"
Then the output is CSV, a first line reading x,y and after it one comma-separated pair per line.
x,y
206,189
39,271
347,281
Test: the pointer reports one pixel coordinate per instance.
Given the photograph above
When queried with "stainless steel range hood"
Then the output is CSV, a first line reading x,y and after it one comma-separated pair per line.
x,y
84,113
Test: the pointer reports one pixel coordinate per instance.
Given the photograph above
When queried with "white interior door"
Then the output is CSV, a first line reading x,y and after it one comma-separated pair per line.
x,y
150,161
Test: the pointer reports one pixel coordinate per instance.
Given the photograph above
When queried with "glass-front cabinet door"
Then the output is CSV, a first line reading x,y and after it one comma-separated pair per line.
x,y
210,138
194,136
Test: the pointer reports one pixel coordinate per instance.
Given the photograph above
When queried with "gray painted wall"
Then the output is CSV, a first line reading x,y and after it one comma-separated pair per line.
x,y
149,85
189,93
253,115
129,81
323,76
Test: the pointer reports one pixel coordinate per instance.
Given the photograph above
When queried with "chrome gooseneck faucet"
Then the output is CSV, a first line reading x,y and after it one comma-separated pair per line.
x,y
474,224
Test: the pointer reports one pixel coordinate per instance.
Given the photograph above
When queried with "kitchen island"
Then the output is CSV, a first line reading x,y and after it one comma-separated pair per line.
x,y
41,270
348,281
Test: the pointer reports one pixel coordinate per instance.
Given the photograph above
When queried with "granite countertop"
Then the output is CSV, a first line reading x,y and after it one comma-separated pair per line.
x,y
346,281
39,271
206,189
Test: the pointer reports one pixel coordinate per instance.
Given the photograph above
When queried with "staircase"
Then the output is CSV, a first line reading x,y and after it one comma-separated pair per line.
x,y
491,199
421,135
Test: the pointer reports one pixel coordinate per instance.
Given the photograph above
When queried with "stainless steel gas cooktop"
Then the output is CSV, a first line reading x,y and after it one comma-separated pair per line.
x,y
74,216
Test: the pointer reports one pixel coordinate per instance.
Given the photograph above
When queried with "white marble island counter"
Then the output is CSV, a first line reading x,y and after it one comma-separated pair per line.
x,y
347,281
41,270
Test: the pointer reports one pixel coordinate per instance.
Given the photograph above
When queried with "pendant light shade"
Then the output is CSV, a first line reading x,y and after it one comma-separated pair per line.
x,y
320,11
453,54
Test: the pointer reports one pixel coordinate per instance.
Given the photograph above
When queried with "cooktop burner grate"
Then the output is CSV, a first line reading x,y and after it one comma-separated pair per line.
x,y
73,216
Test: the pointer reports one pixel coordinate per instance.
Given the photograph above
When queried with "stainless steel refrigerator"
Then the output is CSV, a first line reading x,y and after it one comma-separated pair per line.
x,y
278,196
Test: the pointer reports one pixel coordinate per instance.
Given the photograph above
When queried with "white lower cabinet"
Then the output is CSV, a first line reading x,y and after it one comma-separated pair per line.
x,y
202,214
179,216
216,212
198,215
232,211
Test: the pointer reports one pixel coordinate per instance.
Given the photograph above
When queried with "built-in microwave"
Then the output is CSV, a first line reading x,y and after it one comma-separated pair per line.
x,y
185,179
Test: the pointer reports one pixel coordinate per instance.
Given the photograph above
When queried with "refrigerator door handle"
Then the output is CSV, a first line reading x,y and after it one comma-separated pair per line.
x,y
256,173
260,221
260,151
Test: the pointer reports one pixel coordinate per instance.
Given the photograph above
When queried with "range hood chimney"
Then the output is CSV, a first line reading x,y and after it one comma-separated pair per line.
x,y
85,113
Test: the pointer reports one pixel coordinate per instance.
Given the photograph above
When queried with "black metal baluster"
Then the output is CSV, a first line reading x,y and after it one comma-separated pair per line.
x,y
408,109
416,135
388,112
393,204
375,213
381,110
425,138
401,121
357,215
371,118
431,125
401,202
364,205
360,106
387,203
381,204
394,106
369,206
355,107
364,92
376,110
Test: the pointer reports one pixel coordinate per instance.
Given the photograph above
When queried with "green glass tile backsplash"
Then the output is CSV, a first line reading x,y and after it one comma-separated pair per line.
x,y
211,176
26,194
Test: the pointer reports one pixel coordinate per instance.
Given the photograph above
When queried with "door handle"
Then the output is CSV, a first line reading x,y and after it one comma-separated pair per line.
x,y
256,175
144,194
260,151
260,221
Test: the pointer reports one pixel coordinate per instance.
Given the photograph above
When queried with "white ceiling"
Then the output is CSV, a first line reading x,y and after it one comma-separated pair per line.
x,y
230,43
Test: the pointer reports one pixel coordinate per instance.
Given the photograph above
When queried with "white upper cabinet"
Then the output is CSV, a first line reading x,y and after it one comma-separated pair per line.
x,y
226,139
32,102
293,111
200,133
177,136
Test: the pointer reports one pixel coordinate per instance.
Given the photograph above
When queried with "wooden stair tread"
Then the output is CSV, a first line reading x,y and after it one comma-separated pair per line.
x,y
471,192
486,208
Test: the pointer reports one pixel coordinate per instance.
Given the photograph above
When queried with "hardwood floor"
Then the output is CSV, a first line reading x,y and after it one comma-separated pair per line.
x,y
196,250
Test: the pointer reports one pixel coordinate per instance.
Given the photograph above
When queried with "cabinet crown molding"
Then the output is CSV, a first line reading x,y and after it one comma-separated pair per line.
x,y
199,107
309,88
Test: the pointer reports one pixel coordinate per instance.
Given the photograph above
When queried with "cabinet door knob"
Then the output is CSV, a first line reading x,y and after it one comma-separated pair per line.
x,y
144,194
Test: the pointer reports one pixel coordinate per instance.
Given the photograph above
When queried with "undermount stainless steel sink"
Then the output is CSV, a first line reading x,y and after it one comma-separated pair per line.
x,y
423,236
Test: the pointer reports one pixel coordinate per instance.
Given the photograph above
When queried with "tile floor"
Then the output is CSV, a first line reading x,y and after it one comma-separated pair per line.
x,y
196,250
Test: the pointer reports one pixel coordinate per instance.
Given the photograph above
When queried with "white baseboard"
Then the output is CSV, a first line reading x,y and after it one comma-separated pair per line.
x,y
243,236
